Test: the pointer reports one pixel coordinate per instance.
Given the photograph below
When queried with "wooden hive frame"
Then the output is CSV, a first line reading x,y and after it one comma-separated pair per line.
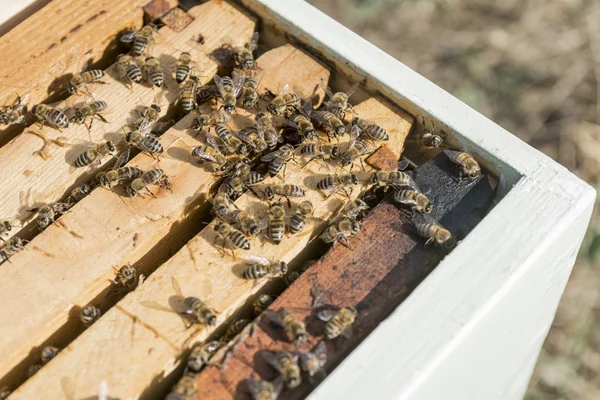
x,y
547,207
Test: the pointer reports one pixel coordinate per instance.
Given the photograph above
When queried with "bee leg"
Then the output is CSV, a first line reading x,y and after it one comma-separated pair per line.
x,y
362,164
101,118
345,242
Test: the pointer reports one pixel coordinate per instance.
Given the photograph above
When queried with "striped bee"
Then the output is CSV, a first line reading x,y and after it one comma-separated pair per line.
x,y
264,390
294,328
259,267
232,144
150,177
48,213
467,166
89,314
268,131
201,355
369,129
129,70
213,118
230,235
341,231
14,113
184,67
197,310
141,39
210,153
187,94
312,362
435,233
249,93
90,109
80,80
243,56
354,209
333,183
339,322
126,277
221,204
147,118
392,179
234,329
299,121
276,227
338,102
356,149
154,72
248,225
118,174
51,116
261,303
253,138
79,193
287,190
48,353
229,89
94,154
320,151
5,228
330,121
144,140
279,158
285,103
302,214
11,247
287,365
414,199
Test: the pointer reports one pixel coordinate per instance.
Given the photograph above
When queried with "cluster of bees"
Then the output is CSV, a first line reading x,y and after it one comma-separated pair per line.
x,y
286,124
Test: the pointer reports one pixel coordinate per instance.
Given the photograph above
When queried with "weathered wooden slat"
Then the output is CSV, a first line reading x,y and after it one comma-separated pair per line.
x,y
64,269
384,265
153,340
122,230
75,31
52,179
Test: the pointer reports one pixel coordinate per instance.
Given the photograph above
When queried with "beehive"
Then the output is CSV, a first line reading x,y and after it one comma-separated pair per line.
x,y
137,350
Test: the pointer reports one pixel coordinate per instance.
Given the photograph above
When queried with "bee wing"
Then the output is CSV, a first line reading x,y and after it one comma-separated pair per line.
x,y
212,143
352,89
156,306
290,123
253,387
320,352
258,260
252,45
327,90
453,156
285,89
129,36
122,160
25,99
326,314
103,391
206,156
271,156
277,386
219,83
176,286
243,134
271,358
238,82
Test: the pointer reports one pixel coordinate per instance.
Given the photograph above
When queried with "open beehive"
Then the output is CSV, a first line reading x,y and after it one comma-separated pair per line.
x,y
140,351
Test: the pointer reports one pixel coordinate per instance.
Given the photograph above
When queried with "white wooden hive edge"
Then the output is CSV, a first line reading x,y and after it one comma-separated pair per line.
x,y
474,327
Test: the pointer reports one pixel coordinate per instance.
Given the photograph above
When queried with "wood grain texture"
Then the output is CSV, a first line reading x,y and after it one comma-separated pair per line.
x,y
201,271
75,31
52,179
385,263
114,230
128,231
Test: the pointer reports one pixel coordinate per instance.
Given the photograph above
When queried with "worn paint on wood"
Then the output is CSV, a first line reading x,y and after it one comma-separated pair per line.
x,y
155,9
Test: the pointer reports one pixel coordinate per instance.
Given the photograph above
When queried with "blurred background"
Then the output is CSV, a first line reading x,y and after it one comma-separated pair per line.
x,y
532,66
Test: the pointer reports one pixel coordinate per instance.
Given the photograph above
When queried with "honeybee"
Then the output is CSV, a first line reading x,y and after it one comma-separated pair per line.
x,y
392,179
234,329
14,113
5,228
94,154
232,144
285,103
287,365
413,199
187,94
330,121
201,355
370,129
341,231
150,177
319,151
48,353
83,78
210,153
184,67
428,137
302,124
128,70
339,322
258,268
354,209
221,204
50,115
206,92
186,388
291,278
11,247
467,166
333,183
276,226
144,141
91,109
33,370
126,277
229,90
248,224
48,213
435,233
338,102
254,139
78,194
243,56
118,174
293,327
264,390
312,362
267,129
141,39
230,235
154,72
234,186
249,94
261,303
89,314
356,149
214,118
302,213
286,191
279,158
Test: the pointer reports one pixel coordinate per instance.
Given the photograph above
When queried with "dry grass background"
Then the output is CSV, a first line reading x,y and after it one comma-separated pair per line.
x,y
533,66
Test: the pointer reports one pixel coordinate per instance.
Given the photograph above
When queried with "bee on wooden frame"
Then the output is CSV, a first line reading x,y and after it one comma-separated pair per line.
x,y
466,165
83,78
14,111
338,322
312,362
140,39
286,103
129,70
257,268
51,116
287,365
244,56
265,390
229,89
338,102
